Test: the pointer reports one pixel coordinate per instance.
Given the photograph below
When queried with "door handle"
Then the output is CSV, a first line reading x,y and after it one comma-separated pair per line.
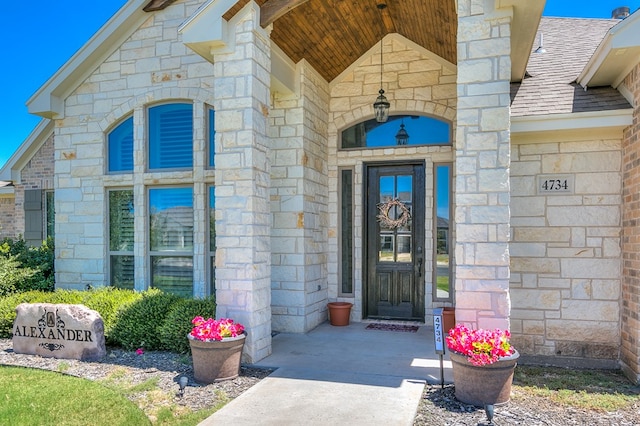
x,y
418,267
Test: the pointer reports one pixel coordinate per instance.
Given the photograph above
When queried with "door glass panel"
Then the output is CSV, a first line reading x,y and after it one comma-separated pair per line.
x,y
386,248
394,218
404,248
442,281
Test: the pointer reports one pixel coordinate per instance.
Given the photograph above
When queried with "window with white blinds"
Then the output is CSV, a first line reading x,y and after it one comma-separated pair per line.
x,y
171,136
120,147
121,237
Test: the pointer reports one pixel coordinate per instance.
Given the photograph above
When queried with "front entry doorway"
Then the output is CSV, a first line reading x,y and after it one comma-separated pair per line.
x,y
394,246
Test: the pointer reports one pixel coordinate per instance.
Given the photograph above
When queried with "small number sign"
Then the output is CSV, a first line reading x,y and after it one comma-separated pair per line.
x,y
438,333
555,184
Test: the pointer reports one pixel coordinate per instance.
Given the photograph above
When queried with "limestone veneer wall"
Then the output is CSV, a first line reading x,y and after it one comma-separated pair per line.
x,y
565,247
152,65
630,318
298,129
414,82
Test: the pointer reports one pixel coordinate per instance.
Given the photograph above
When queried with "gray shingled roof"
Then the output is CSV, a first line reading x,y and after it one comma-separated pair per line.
x,y
550,86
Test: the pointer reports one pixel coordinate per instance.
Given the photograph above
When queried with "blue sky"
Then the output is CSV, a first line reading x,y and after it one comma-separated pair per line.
x,y
39,37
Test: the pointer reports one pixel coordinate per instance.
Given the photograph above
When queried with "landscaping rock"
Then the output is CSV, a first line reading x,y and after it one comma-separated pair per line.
x,y
58,331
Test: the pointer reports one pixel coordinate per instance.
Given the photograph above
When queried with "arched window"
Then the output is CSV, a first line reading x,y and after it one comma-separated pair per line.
x,y
399,130
120,147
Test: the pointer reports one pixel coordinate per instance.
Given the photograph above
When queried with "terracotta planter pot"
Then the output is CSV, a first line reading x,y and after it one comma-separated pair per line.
x,y
217,360
339,313
488,384
448,318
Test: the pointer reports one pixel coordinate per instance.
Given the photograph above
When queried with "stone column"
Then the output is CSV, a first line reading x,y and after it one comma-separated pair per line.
x,y
243,220
299,205
482,166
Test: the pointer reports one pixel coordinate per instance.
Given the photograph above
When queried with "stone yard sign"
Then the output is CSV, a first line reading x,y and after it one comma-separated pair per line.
x,y
58,331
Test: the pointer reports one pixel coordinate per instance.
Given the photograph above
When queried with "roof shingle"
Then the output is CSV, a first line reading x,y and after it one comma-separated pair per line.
x,y
550,87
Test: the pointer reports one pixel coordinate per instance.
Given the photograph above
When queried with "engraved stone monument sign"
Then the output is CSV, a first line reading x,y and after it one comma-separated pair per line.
x,y
58,331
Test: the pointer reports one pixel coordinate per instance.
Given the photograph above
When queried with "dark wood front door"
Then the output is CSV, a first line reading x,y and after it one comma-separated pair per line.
x,y
394,241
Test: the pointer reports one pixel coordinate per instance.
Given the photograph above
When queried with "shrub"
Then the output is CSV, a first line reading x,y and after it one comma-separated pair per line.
x,y
139,323
24,268
177,324
108,301
14,278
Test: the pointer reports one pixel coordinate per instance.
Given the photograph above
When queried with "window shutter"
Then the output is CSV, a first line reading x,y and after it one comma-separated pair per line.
x,y
33,224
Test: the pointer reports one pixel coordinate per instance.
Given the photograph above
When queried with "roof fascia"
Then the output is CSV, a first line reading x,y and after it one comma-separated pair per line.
x,y
524,26
48,101
38,136
620,37
207,33
614,119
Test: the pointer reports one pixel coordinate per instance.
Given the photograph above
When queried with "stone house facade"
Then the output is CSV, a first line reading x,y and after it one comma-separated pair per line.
x,y
279,214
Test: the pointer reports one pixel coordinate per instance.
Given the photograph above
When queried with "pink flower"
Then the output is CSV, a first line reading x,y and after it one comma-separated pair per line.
x,y
482,347
211,329
139,351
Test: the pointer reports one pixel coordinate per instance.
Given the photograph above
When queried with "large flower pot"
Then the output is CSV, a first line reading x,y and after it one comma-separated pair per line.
x,y
216,360
487,384
339,313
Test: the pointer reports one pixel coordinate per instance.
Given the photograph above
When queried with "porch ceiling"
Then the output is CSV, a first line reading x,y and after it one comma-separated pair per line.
x,y
333,34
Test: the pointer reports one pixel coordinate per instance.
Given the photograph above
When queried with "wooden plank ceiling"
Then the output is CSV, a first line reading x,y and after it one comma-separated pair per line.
x,y
333,34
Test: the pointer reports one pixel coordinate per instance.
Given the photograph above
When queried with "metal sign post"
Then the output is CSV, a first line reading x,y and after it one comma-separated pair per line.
x,y
438,335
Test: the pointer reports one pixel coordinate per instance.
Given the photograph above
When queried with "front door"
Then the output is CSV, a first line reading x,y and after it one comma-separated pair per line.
x,y
394,242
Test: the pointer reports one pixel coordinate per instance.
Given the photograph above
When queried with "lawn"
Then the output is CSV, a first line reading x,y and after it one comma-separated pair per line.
x,y
39,397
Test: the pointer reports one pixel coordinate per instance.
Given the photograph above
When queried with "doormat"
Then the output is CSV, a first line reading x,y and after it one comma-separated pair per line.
x,y
393,327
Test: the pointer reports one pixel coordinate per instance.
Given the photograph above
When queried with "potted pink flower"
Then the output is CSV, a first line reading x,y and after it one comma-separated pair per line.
x,y
211,329
483,363
216,348
482,347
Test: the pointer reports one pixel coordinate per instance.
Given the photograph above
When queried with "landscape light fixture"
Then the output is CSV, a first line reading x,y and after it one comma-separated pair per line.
x,y
381,105
182,382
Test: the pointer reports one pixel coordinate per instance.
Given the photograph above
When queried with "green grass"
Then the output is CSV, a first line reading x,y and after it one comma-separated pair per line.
x,y
597,390
38,397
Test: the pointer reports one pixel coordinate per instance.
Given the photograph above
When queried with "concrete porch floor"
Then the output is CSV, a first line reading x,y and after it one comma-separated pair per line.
x,y
340,375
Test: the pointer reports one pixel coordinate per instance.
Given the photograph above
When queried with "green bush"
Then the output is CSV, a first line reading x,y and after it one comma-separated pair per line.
x,y
138,324
25,268
13,277
152,319
108,301
177,324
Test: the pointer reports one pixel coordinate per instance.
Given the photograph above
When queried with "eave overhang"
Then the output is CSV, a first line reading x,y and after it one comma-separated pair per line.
x,y
616,55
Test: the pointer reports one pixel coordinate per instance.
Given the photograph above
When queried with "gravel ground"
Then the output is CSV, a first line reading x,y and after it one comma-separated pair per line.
x,y
438,406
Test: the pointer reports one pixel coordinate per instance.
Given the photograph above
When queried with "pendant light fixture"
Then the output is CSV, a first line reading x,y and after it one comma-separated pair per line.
x,y
381,105
402,137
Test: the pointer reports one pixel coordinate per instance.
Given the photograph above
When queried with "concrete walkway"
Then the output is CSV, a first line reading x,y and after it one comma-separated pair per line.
x,y
340,376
